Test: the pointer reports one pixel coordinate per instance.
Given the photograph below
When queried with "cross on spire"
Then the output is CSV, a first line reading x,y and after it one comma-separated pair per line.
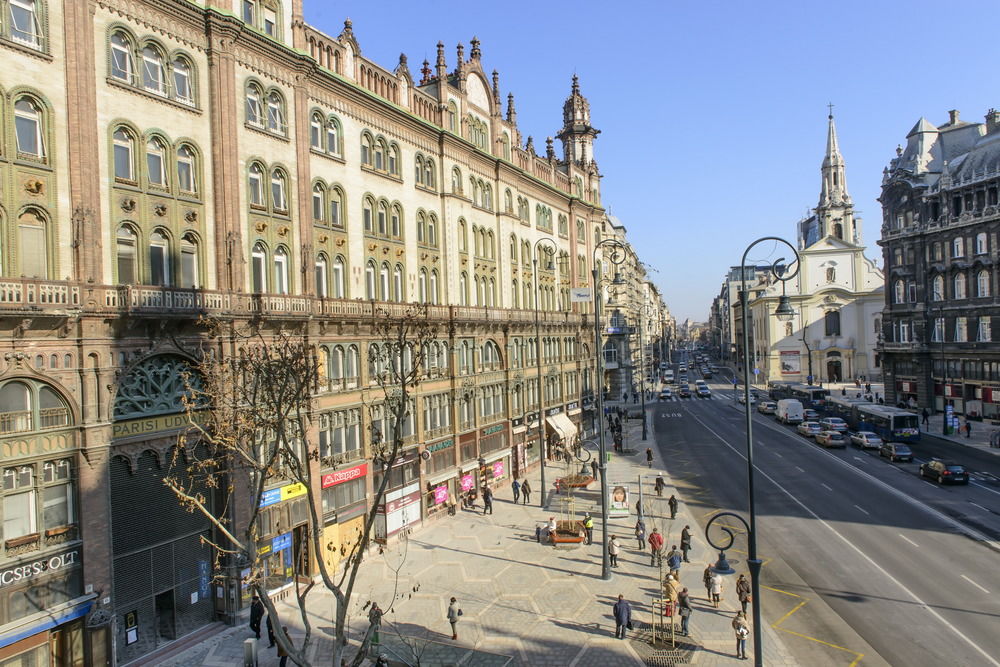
x,y
830,107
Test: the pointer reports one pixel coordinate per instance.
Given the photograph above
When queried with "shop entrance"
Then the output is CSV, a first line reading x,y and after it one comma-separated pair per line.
x,y
165,623
300,546
66,645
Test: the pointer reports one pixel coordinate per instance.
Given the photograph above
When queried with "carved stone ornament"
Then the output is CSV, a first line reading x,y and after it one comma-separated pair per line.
x,y
341,242
33,186
371,247
400,252
160,210
191,215
260,227
322,238
128,204
385,251
283,231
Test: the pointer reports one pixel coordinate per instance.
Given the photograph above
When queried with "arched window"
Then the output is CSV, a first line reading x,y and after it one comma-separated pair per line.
x,y
280,271
337,363
122,66
316,131
937,288
515,295
463,236
383,283
383,213
367,149
397,284
392,154
456,180
463,289
380,149
959,285
396,222
156,162
124,149
429,173
370,280
153,78
276,112
433,288
336,206
958,247
432,231
452,116
159,259
258,268
254,110
256,185
367,212
983,283
28,126
421,227
322,276
418,169
981,243
190,273
186,174
125,250
333,134
183,90
278,200
422,286
318,202
339,278
505,146
32,240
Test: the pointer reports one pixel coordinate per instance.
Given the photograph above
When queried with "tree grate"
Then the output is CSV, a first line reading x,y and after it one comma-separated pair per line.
x,y
661,654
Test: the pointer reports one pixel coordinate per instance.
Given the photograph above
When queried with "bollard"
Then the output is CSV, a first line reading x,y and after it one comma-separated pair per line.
x,y
250,652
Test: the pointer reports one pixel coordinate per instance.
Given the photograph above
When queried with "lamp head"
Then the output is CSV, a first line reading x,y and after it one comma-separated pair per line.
x,y
784,312
618,280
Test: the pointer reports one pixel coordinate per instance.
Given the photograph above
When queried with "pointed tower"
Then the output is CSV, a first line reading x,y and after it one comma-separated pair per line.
x,y
834,216
834,175
577,134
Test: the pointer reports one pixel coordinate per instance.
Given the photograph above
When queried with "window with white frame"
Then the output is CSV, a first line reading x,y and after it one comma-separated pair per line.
x,y
985,332
961,329
937,336
904,332
186,175
28,127
899,292
153,72
983,283
122,65
959,285
981,243
958,247
937,288
339,273
156,162
23,23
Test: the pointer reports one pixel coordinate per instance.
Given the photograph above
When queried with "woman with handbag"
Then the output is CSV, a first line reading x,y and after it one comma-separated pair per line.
x,y
684,610
743,591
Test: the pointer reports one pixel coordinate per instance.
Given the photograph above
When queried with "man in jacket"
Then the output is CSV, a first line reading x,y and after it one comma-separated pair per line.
x,y
623,617
743,591
487,500
515,486
256,615
672,502
588,525
613,550
686,542
655,546
526,491
674,562
684,609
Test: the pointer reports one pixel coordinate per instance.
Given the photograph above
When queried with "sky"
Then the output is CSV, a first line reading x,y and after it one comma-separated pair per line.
x,y
712,114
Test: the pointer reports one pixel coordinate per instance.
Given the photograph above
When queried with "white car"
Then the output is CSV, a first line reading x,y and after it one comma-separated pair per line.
x,y
866,440
666,394
741,397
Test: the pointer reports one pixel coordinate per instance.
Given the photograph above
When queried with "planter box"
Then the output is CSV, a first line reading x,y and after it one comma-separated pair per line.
x,y
575,482
569,532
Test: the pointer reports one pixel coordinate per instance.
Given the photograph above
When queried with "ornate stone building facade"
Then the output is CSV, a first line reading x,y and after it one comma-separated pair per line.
x,y
162,161
940,208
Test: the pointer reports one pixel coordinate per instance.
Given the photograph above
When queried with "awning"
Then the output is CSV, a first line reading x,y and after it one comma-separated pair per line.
x,y
562,425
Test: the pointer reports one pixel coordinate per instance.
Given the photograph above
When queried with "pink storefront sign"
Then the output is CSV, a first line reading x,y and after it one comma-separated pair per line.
x,y
467,482
441,494
497,469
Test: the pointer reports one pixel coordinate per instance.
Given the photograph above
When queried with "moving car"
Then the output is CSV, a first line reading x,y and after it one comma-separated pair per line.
x,y
789,411
684,391
831,439
666,394
866,440
810,415
896,451
743,399
707,374
833,424
809,429
703,391
944,471
767,407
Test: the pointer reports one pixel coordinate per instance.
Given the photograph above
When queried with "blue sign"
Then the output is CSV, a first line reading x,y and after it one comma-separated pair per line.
x,y
203,578
282,542
756,371
270,497
809,379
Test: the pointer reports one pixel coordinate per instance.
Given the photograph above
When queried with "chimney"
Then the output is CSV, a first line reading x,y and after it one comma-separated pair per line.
x,y
992,121
953,117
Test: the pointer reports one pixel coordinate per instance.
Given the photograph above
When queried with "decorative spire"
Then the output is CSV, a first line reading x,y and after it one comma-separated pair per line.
x,y
441,65
530,146
496,89
511,111
475,54
550,152
460,50
425,72
576,85
834,190
402,68
348,27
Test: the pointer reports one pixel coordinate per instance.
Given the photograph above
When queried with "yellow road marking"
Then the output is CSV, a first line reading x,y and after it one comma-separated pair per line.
x,y
777,626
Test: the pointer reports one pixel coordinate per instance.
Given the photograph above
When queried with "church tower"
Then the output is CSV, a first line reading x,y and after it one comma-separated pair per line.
x,y
577,134
834,216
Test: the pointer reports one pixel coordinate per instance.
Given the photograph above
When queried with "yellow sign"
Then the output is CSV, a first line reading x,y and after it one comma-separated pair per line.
x,y
293,491
156,424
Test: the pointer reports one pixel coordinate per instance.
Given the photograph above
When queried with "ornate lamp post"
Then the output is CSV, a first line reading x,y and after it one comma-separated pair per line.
x,y
538,361
616,258
785,313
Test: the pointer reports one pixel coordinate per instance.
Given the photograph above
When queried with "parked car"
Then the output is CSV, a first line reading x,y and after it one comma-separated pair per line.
x,y
809,429
789,411
704,391
810,415
833,424
866,440
666,394
767,407
684,391
831,439
944,472
896,451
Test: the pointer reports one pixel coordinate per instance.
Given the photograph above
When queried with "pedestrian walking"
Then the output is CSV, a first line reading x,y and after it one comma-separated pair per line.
x,y
655,546
716,588
638,508
968,428
684,610
526,491
674,562
256,615
487,500
594,467
741,626
706,578
453,613
658,486
282,653
649,457
515,486
588,525
640,534
618,442
624,397
623,616
672,502
613,550
270,632
686,542
926,417
743,591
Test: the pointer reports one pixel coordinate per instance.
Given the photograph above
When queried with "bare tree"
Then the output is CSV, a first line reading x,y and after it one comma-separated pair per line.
x,y
250,413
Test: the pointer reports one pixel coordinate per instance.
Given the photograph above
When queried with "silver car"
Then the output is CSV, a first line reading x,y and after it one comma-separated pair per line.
x,y
866,440
809,429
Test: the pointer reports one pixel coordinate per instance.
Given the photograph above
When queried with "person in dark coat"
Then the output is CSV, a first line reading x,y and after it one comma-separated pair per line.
x,y
515,486
256,615
926,417
487,500
649,457
270,632
526,492
594,467
684,610
672,502
623,617
282,653
686,542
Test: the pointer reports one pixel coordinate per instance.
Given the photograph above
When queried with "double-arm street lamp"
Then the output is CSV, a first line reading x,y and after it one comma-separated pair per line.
x,y
785,313
538,357
643,310
616,257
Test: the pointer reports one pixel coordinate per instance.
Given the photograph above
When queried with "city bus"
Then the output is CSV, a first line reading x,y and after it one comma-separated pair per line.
x,y
845,408
778,389
809,395
891,424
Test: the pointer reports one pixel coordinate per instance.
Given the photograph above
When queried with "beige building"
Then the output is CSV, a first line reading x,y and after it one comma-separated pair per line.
x,y
164,161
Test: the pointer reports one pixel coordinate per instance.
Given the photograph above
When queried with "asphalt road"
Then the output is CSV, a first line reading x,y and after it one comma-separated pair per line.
x,y
887,552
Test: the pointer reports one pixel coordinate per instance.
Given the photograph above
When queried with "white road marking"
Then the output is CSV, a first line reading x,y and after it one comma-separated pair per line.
x,y
778,455
980,506
986,488
975,584
828,488
859,458
863,510
909,540
865,556
799,469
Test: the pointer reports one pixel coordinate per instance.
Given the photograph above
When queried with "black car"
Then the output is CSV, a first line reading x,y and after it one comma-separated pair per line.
x,y
684,391
896,451
944,472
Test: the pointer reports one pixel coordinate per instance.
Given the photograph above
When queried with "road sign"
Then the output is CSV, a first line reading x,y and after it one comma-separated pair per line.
x,y
809,379
579,295
756,371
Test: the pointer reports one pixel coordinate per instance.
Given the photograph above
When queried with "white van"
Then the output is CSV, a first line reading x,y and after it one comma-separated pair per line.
x,y
668,375
789,411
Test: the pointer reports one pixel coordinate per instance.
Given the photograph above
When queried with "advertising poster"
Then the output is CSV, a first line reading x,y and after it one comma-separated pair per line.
x,y
618,505
790,363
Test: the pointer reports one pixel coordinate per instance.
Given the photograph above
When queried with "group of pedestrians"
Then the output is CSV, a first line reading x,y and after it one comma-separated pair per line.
x,y
257,612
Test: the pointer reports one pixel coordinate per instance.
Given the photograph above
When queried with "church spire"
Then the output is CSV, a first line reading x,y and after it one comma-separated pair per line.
x,y
834,216
834,190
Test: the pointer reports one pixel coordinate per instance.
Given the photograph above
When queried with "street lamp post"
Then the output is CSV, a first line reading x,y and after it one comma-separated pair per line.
x,y
616,258
809,354
538,366
784,312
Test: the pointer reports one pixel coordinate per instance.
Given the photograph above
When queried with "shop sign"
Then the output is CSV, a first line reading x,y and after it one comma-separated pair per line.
x,y
36,446
400,503
290,491
145,425
553,411
438,446
467,482
516,421
575,405
346,475
203,578
281,542
490,430
440,494
39,567
498,469
270,497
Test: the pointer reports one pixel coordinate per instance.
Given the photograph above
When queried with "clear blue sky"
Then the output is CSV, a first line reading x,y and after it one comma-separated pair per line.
x,y
712,114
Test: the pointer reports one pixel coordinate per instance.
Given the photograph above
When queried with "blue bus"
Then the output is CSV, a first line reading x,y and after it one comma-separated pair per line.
x,y
809,395
891,424
845,408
